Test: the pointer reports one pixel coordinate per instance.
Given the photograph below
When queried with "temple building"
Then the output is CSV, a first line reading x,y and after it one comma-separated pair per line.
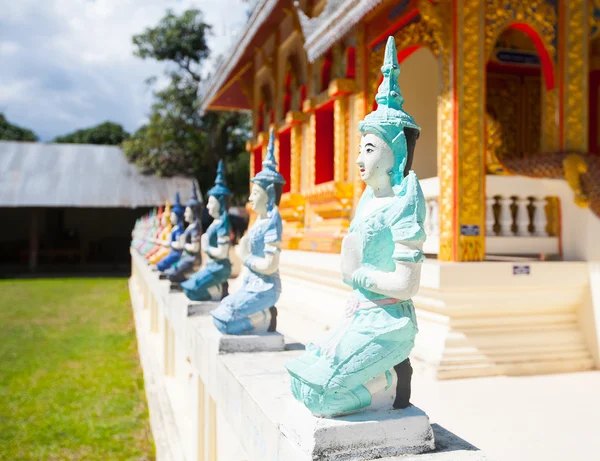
x,y
507,97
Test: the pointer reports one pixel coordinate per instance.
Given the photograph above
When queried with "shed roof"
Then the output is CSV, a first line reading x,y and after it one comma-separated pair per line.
x,y
79,175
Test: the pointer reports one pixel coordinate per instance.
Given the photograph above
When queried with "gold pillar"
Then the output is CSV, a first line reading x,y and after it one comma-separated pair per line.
x,y
575,70
340,120
462,174
295,167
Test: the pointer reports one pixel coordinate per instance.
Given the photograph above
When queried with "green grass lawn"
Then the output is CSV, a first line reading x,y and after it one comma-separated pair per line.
x,y
71,386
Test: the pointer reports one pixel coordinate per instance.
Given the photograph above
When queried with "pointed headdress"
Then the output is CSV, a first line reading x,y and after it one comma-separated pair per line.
x,y
178,209
389,121
269,178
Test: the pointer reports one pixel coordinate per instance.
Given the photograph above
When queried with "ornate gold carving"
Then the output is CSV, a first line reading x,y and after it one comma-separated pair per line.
x,y
415,34
331,199
574,166
502,119
470,193
340,110
341,86
312,132
539,14
296,141
575,76
549,114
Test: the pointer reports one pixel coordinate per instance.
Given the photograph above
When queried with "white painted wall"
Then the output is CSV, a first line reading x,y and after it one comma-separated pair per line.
x,y
419,83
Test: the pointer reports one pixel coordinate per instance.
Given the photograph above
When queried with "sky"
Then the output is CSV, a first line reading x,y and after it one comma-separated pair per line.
x,y
69,64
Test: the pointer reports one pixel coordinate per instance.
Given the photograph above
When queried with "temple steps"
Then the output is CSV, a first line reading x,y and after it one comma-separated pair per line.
x,y
475,319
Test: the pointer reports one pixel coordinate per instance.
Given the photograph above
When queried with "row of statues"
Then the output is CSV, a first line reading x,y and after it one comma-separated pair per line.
x,y
367,353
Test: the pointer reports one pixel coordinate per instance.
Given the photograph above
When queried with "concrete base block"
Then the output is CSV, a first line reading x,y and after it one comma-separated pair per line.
x,y
261,342
370,434
201,307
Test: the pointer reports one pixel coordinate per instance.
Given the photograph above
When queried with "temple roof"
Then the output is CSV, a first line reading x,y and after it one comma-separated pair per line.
x,y
224,91
79,175
337,18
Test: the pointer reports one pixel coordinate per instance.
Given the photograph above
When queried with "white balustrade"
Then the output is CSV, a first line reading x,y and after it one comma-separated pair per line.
x,y
516,218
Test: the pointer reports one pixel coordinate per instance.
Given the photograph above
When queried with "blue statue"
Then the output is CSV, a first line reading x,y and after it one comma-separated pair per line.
x,y
210,282
252,308
179,271
177,221
381,258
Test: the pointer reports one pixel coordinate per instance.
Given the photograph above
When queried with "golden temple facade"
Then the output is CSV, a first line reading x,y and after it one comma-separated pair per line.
x,y
499,88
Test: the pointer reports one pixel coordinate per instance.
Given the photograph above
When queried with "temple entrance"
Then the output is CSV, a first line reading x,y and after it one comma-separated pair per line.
x,y
513,99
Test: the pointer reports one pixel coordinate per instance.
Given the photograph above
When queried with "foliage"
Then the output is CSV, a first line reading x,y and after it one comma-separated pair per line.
x,y
107,133
10,132
71,386
178,140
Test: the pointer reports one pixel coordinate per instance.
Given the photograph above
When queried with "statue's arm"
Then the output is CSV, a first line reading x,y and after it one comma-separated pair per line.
x,y
193,247
267,265
403,282
178,244
221,251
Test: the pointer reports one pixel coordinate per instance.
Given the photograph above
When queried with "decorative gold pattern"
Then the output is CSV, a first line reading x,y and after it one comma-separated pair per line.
x,y
340,110
549,137
470,193
539,14
296,142
575,76
574,167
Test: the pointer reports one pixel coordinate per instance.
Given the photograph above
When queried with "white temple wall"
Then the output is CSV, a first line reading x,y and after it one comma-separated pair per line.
x,y
419,81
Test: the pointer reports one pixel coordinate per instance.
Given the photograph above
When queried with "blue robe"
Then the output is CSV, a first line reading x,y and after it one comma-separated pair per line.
x,y
258,291
177,272
215,272
174,254
328,378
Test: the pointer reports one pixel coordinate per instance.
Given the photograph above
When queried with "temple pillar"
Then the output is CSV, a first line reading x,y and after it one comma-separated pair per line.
x,y
574,53
461,144
292,204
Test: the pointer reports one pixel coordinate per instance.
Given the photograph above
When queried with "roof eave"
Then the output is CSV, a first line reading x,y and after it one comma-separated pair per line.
x,y
259,16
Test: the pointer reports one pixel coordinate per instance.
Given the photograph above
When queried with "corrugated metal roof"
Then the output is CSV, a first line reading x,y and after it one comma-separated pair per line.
x,y
79,175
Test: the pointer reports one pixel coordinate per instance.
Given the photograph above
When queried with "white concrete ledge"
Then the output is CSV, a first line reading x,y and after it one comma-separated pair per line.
x,y
208,376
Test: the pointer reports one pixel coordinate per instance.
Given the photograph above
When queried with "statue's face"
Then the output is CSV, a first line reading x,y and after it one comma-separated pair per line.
x,y
375,160
214,207
164,220
258,198
173,218
189,214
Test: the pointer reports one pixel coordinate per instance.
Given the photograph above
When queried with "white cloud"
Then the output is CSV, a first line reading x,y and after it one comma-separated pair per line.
x,y
69,64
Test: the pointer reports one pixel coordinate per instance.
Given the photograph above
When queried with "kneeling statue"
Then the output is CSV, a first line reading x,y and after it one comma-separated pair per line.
x,y
210,282
252,307
381,258
174,244
189,243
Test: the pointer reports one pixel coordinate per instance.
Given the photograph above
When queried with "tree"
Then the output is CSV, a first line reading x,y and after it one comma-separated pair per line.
x,y
107,133
178,140
10,132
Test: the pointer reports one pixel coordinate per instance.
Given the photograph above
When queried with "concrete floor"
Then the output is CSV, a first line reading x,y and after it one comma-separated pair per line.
x,y
530,418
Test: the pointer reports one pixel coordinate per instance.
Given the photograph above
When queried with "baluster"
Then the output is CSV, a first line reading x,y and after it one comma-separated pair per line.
x,y
523,217
540,220
435,217
506,219
490,219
